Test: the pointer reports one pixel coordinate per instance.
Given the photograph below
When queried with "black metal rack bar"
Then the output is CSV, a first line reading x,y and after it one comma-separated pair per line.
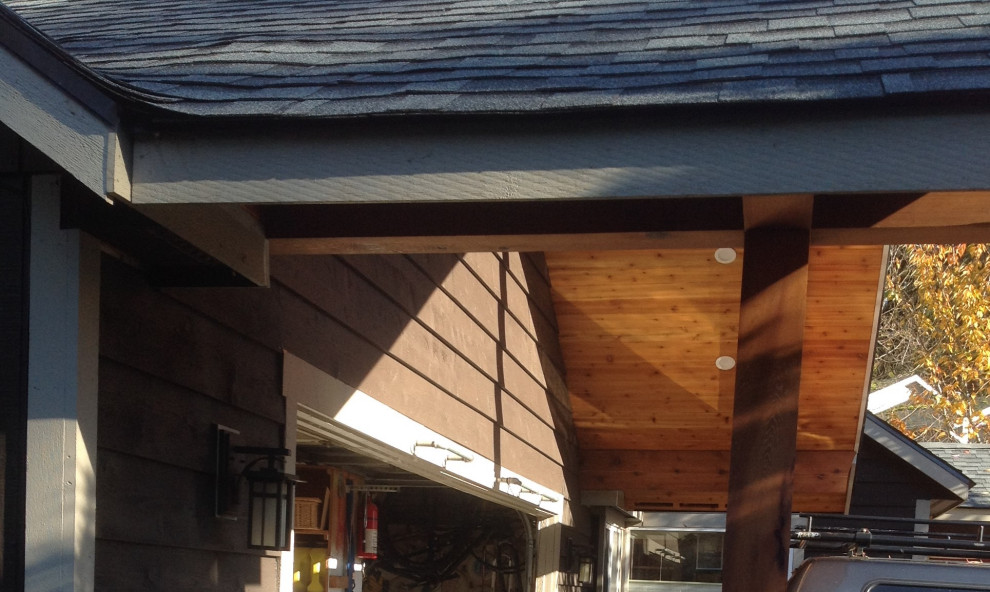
x,y
962,540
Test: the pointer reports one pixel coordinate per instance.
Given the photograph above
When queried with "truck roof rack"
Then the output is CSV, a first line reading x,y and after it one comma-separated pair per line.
x,y
886,536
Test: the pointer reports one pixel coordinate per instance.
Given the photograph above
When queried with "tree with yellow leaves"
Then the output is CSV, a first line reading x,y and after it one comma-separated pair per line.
x,y
935,322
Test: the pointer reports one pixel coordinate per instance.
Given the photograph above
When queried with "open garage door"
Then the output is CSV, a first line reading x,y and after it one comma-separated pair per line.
x,y
373,518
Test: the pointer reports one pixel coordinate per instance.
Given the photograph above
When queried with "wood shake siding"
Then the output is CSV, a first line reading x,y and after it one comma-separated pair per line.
x,y
464,344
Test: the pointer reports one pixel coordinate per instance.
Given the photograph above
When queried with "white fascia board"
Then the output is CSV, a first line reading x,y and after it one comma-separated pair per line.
x,y
97,154
914,455
93,151
647,158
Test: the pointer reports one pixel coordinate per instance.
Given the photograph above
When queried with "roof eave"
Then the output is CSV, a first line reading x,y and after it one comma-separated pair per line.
x,y
917,456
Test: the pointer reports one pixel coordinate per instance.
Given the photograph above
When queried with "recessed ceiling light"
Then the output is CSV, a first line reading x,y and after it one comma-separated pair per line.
x,y
725,363
725,255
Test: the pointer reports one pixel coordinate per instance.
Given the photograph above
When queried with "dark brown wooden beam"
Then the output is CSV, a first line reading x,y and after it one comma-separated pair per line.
x,y
900,218
605,224
643,215
768,376
512,243
970,233
614,224
939,235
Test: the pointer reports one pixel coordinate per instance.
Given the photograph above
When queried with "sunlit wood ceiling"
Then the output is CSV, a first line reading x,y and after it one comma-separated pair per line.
x,y
644,311
640,333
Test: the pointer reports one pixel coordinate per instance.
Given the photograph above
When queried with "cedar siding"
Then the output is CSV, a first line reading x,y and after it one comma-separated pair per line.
x,y
453,342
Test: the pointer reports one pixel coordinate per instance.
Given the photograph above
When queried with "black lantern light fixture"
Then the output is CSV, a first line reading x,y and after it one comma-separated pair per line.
x,y
586,570
271,490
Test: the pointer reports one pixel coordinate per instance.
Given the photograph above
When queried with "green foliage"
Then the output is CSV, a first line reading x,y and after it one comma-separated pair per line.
x,y
935,322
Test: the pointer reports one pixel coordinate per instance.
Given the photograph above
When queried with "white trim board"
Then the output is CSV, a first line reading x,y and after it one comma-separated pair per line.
x,y
60,508
87,147
97,154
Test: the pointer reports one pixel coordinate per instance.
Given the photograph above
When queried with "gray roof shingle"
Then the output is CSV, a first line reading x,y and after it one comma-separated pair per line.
x,y
974,461
362,57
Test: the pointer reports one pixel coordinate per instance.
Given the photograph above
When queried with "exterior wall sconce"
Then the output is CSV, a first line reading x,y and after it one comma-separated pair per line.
x,y
586,570
580,562
271,491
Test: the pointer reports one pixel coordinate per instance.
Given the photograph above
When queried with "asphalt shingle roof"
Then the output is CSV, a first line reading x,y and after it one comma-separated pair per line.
x,y
974,461
357,57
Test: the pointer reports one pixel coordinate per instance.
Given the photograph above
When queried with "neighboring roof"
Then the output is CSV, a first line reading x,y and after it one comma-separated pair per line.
x,y
974,461
896,394
358,57
933,467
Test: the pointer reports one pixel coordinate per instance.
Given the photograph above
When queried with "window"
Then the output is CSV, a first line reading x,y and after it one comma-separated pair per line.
x,y
676,556
682,552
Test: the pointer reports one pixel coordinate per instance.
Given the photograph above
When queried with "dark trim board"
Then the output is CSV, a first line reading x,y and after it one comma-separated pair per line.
x,y
490,218
608,224
14,235
670,214
528,226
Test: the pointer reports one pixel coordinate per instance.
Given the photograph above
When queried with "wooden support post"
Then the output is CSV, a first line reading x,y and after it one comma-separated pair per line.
x,y
764,426
63,361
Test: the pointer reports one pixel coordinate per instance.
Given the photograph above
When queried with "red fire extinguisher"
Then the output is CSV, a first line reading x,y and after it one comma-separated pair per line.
x,y
370,535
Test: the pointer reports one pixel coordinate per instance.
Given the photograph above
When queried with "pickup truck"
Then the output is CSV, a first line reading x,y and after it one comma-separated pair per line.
x,y
960,550
861,574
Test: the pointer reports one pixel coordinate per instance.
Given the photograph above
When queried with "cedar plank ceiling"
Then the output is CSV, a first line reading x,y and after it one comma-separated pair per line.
x,y
640,332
